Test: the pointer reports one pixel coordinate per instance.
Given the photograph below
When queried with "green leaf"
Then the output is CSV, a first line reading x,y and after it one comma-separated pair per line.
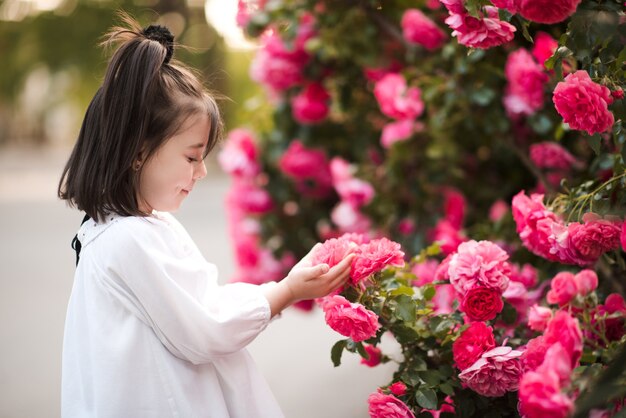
x,y
447,389
509,314
429,292
431,377
337,351
426,398
595,142
405,309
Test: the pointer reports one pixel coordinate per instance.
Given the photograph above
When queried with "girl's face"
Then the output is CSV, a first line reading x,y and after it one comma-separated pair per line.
x,y
170,174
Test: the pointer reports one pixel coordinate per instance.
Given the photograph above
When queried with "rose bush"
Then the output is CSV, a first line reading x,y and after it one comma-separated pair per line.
x,y
471,152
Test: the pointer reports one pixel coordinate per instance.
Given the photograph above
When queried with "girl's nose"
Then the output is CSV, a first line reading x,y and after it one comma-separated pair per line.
x,y
200,171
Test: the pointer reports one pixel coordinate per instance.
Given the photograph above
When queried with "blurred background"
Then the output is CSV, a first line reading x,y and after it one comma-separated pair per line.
x,y
51,67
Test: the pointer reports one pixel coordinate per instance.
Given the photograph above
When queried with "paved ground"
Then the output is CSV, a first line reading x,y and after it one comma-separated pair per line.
x,y
36,268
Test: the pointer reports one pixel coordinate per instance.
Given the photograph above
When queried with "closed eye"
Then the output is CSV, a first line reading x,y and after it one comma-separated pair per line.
x,y
192,160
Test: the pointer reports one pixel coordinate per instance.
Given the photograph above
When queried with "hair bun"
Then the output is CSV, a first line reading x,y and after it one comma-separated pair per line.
x,y
162,35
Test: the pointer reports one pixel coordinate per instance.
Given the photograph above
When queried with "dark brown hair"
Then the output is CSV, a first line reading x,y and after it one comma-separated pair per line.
x,y
145,99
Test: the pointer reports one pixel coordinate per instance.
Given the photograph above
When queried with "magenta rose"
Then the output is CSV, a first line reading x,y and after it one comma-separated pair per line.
x,y
564,329
552,156
454,6
240,154
374,356
547,11
557,361
495,373
586,281
622,237
483,33
471,344
526,80
481,303
454,207
544,47
479,263
510,5
387,406
306,166
311,104
583,104
396,100
419,29
398,388
350,319
375,256
540,396
562,289
586,242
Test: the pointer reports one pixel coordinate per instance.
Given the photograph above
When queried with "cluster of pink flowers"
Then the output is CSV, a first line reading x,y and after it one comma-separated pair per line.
x,y
351,320
353,193
526,80
448,230
486,369
583,104
400,102
547,364
387,406
278,67
484,32
552,156
417,28
479,273
565,286
309,168
547,235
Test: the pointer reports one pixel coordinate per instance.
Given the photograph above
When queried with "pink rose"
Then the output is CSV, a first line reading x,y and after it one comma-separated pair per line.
x,y
483,33
586,281
583,104
479,263
406,226
498,210
564,329
538,317
444,299
588,241
419,29
562,289
350,319
623,236
374,356
250,198
448,237
527,274
534,353
547,11
398,131
557,361
387,406
615,303
454,6
481,303
349,219
540,396
311,104
526,80
355,191
454,207
398,388
544,47
305,166
424,272
396,100
332,251
375,256
553,156
495,373
471,344
240,154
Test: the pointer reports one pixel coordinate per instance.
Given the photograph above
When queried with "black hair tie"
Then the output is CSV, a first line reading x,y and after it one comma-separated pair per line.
x,y
162,35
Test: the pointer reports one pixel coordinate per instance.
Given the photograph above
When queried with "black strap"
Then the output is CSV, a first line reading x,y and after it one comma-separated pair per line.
x,y
76,245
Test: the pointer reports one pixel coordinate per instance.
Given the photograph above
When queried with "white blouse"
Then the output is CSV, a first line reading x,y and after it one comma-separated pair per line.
x,y
149,333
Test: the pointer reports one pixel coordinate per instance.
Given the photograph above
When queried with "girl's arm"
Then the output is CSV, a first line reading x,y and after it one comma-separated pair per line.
x,y
305,281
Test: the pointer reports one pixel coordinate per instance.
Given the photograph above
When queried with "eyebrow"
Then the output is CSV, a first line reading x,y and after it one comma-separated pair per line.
x,y
198,145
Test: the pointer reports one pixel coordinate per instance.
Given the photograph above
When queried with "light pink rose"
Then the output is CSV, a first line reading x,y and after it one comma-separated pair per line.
x,y
495,373
340,170
349,219
538,317
547,11
583,104
311,104
471,344
355,191
419,29
481,303
387,406
498,210
240,154
562,289
424,272
479,263
398,388
526,80
540,396
564,329
544,47
396,100
249,198
332,251
586,281
398,131
350,319
552,156
484,33
374,356
375,256
444,299
448,237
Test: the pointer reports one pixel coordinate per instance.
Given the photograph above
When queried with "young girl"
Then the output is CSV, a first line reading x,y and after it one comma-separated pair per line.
x,y
149,333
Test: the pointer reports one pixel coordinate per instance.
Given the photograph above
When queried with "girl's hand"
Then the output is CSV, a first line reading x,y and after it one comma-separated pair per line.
x,y
306,281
